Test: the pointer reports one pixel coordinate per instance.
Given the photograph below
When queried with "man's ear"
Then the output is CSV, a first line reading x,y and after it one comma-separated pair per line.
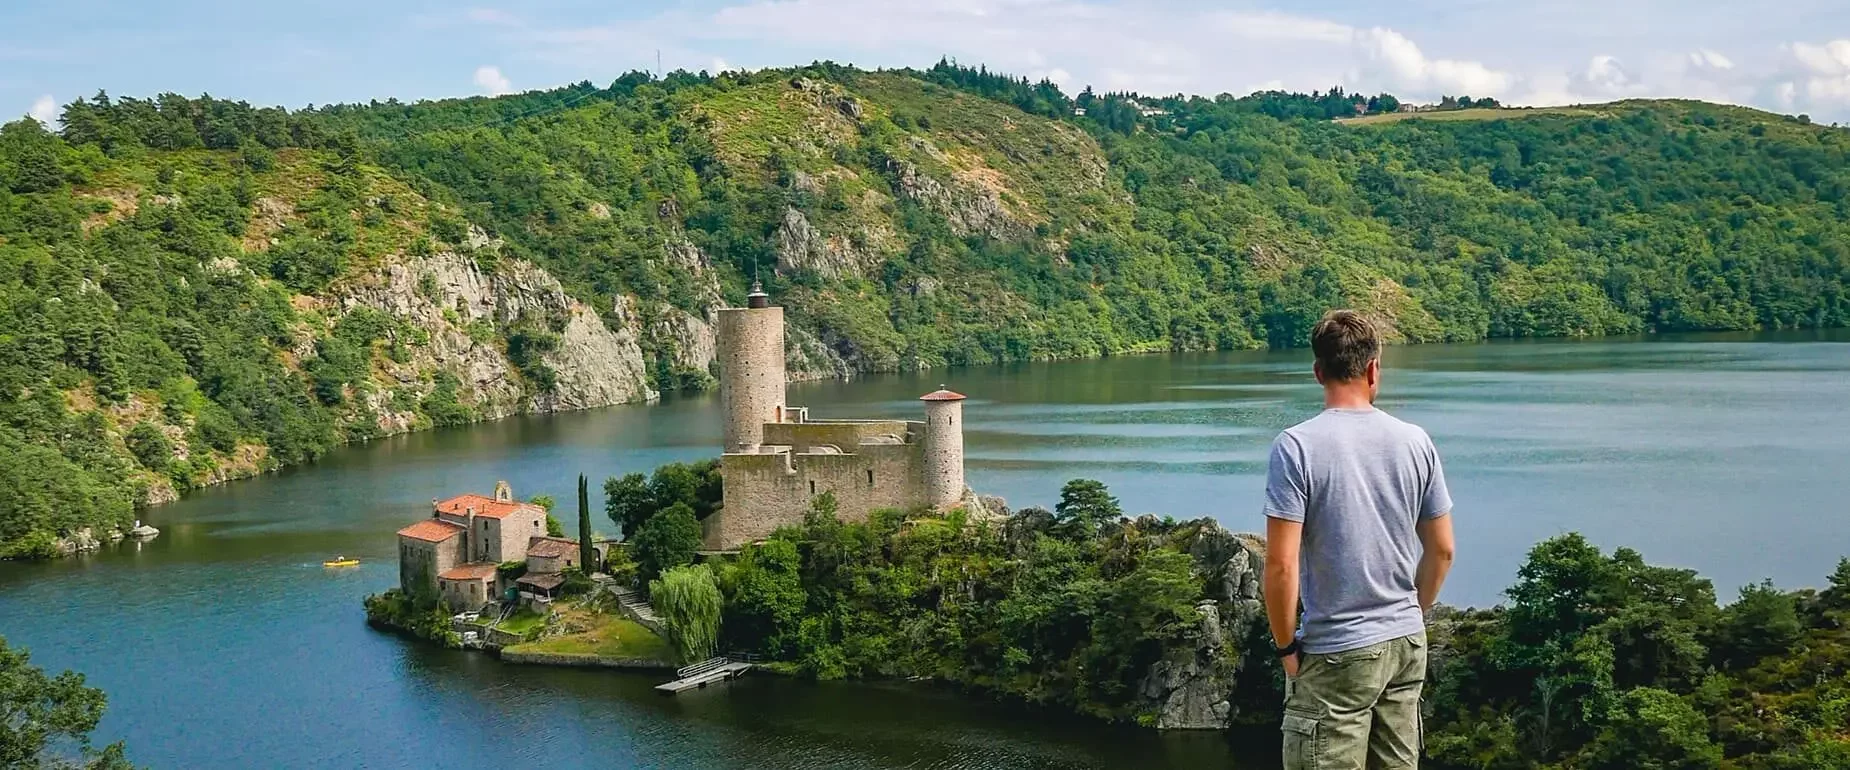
x,y
1374,371
1316,368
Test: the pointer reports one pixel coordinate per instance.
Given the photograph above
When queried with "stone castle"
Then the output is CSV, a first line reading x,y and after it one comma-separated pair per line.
x,y
776,460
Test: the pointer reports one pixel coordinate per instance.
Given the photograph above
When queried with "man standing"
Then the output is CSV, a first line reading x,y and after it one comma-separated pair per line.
x,y
1356,506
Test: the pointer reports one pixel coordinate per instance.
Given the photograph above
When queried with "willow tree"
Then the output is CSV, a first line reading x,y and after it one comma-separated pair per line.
x,y
688,600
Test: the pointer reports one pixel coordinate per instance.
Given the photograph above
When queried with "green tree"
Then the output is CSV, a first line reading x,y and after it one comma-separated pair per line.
x,y
667,540
1654,730
587,550
149,445
628,503
44,713
764,597
1763,621
553,527
689,602
1085,505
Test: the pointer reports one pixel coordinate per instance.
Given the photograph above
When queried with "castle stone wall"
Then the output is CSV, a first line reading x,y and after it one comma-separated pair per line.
x,y
843,434
767,491
751,379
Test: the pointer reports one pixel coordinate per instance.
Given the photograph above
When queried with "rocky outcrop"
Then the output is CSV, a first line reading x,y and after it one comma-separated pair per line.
x,y
807,358
801,247
461,313
596,366
968,210
1190,689
1193,687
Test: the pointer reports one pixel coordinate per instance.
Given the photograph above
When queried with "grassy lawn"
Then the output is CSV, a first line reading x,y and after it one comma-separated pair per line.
x,y
522,622
1471,114
608,635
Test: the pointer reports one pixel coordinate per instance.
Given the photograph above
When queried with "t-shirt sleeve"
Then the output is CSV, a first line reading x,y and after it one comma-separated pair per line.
x,y
1437,500
1285,488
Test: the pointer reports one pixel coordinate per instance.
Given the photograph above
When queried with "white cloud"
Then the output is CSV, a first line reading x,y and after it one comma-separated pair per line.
x,y
1705,58
44,110
720,65
491,81
1816,77
1410,69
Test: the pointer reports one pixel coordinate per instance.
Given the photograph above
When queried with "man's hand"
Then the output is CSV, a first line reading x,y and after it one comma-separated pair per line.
x,y
1291,665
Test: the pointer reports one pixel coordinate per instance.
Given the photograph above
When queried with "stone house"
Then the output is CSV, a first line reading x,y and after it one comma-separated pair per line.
x,y
456,550
467,587
551,554
547,558
427,549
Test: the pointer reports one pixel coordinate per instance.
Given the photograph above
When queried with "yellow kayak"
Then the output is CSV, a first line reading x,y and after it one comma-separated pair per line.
x,y
341,561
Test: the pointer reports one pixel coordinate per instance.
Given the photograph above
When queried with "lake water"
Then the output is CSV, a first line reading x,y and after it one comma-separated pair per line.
x,y
224,643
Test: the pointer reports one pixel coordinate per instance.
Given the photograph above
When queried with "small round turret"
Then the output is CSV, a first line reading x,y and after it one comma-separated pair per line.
x,y
944,448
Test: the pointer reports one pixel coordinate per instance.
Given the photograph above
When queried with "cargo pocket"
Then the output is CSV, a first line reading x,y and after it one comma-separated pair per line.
x,y
1303,745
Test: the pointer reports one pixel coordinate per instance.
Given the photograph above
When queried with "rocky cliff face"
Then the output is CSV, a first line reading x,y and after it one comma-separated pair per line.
x,y
460,314
1196,686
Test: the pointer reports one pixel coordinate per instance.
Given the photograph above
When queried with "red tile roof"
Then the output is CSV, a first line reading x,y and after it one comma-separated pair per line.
x,y
942,395
431,531
484,506
481,570
551,547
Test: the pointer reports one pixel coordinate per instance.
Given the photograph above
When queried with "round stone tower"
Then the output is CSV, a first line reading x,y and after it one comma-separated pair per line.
x,y
751,369
944,448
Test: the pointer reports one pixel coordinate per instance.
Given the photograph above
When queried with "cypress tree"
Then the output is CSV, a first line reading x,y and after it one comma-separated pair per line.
x,y
587,553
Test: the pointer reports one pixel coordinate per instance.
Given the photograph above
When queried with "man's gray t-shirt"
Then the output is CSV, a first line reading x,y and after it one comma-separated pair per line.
x,y
1358,479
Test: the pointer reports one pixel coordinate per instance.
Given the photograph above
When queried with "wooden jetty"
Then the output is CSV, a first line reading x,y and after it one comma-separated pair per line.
x,y
704,673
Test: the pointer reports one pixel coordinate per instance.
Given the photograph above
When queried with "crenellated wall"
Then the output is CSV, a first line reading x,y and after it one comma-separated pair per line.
x,y
774,489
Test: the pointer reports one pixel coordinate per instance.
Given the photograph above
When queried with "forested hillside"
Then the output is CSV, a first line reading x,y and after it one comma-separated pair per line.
x,y
196,289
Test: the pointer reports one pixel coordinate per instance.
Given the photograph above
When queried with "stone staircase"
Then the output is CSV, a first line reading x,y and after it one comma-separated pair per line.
x,y
637,608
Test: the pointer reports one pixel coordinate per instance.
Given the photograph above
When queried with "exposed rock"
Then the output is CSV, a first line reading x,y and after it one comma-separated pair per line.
x,y
686,340
599,210
596,366
159,491
806,358
1190,688
968,212
922,286
688,258
143,532
801,247
78,542
449,297
1193,686
849,107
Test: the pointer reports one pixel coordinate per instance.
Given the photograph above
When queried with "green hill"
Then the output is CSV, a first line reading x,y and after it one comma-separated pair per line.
x,y
195,289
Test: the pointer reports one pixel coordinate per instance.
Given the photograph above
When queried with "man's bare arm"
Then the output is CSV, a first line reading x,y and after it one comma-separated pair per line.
x,y
1436,551
1282,539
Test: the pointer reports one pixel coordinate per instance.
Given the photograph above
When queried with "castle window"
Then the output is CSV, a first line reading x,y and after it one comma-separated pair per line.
x,y
812,487
870,477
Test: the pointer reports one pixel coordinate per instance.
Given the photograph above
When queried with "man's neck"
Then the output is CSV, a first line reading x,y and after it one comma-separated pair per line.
x,y
1347,396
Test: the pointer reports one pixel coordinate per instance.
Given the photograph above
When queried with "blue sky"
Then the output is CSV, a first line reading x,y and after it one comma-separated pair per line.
x,y
1785,55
